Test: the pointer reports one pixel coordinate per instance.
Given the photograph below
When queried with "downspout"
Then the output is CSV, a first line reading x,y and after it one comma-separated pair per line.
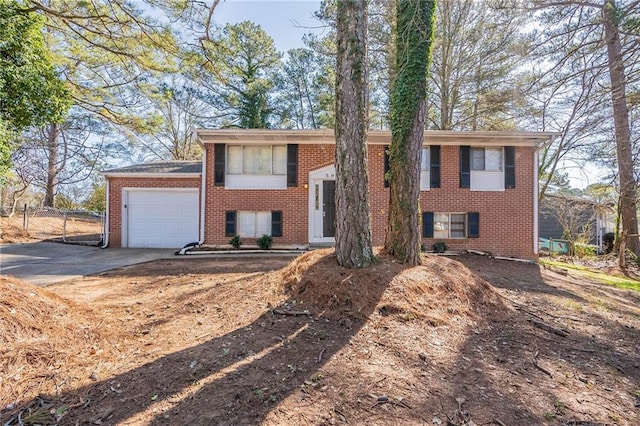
x,y
203,185
536,189
105,243
203,188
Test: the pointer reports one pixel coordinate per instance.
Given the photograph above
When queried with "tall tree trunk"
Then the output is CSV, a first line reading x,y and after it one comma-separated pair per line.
x,y
414,36
52,133
353,219
628,185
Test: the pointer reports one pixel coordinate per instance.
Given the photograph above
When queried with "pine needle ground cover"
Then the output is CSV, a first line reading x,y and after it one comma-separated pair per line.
x,y
277,341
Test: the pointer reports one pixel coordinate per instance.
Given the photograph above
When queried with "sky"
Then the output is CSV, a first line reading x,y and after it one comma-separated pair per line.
x,y
284,21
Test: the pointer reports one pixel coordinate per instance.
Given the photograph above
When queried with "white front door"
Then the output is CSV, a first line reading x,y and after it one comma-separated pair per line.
x,y
321,205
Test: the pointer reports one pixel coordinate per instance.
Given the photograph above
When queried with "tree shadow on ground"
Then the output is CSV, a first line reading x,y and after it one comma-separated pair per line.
x,y
480,370
236,378
501,274
530,376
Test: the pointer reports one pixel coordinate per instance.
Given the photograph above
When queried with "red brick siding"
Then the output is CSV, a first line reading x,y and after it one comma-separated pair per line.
x,y
116,184
293,202
506,218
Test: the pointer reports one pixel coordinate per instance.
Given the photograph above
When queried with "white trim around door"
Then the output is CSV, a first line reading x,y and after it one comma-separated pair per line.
x,y
316,213
160,217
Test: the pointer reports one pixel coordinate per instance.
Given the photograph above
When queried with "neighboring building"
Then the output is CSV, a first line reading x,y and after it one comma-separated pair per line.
x,y
575,219
479,191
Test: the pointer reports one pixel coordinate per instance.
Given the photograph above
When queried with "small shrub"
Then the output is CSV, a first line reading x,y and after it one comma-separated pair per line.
x,y
584,250
265,242
236,242
439,247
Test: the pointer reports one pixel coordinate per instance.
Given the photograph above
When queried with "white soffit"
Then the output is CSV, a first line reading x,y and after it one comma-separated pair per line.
x,y
376,137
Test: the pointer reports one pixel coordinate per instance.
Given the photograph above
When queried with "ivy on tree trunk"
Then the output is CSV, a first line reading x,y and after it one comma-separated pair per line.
x,y
414,36
353,218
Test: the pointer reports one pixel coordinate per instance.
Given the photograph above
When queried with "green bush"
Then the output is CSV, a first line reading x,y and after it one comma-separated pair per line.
x,y
439,247
236,242
265,242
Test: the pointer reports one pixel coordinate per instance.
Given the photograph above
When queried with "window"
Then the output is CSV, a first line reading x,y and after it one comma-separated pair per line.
x,y
259,167
486,159
487,169
424,170
424,163
450,225
253,224
261,160
429,167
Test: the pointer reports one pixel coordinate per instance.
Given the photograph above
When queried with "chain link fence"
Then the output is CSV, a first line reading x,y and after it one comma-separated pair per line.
x,y
69,226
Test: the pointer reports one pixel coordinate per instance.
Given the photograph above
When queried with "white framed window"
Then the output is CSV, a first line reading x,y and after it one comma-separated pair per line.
x,y
256,167
260,160
449,225
253,224
424,170
486,159
424,162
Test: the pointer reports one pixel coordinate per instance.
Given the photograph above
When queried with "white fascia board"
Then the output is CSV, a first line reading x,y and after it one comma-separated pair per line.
x,y
375,137
152,175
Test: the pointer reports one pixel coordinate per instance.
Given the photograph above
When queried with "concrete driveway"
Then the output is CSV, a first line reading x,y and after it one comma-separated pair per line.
x,y
44,263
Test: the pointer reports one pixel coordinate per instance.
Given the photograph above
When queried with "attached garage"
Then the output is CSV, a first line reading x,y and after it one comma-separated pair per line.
x,y
154,205
159,218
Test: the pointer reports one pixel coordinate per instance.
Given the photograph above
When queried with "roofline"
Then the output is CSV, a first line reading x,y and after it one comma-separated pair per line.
x,y
578,199
151,175
375,137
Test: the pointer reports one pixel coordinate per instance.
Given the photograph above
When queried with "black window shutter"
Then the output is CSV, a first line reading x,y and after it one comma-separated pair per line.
x,y
276,223
386,166
292,164
218,164
427,224
473,220
434,179
465,166
230,223
509,167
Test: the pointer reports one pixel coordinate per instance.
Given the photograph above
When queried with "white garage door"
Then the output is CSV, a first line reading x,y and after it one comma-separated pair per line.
x,y
161,218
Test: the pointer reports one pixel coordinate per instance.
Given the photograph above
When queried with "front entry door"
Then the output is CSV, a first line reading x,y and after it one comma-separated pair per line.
x,y
328,208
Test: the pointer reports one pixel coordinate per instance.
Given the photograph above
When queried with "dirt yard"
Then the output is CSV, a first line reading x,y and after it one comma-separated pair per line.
x,y
202,341
84,228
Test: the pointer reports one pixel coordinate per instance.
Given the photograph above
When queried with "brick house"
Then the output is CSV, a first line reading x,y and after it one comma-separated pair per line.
x,y
479,190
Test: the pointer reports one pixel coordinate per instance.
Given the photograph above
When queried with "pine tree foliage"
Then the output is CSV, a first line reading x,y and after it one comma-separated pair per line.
x,y
243,61
298,91
475,74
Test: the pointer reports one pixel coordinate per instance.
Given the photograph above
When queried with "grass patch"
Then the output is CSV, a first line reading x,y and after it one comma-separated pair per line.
x,y
572,305
598,276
